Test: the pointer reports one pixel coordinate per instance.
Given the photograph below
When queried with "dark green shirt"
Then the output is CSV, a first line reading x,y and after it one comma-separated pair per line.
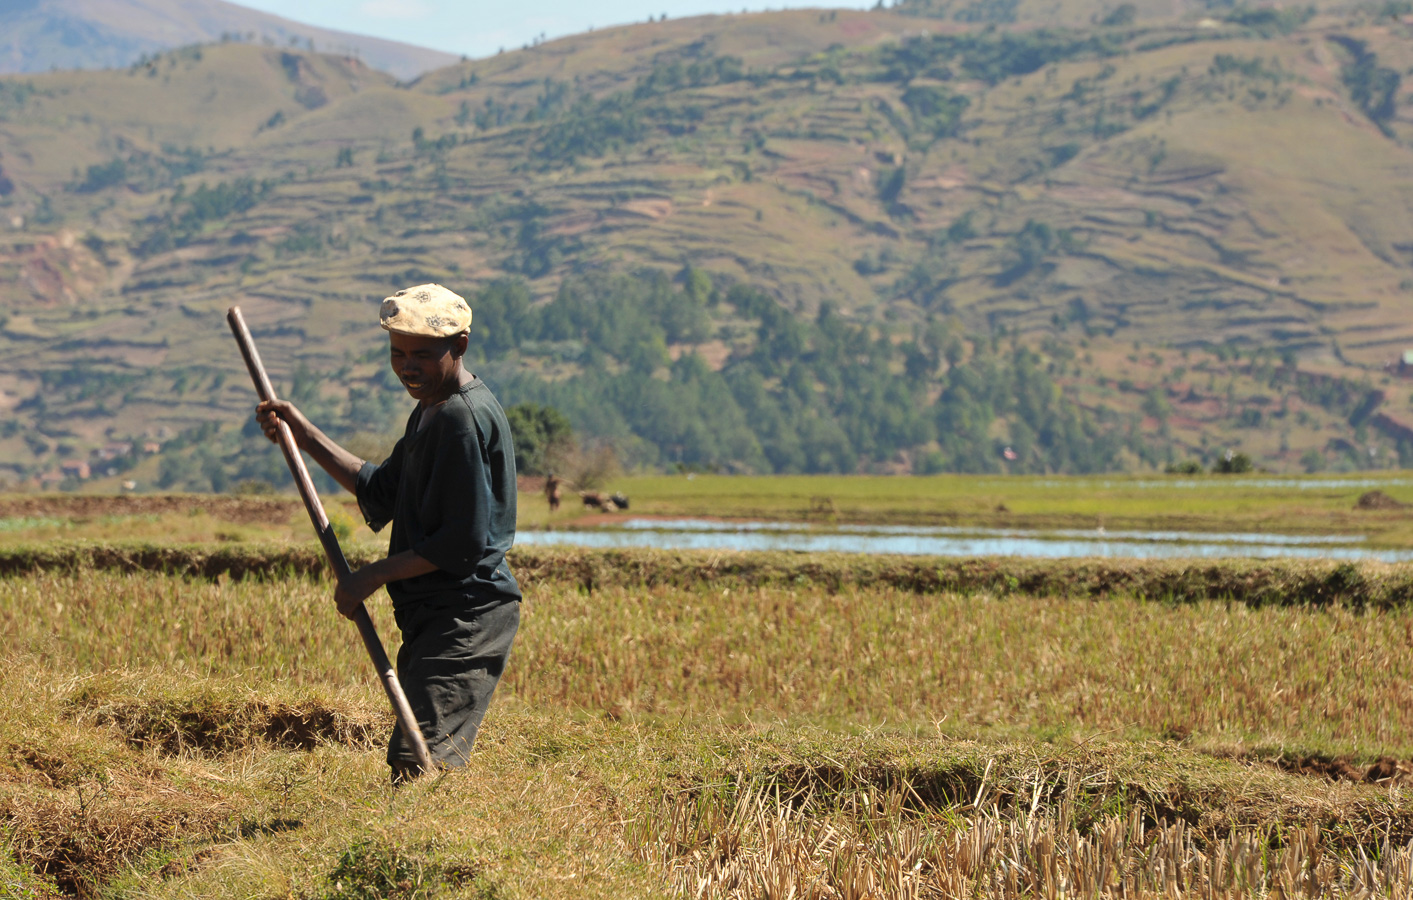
x,y
449,491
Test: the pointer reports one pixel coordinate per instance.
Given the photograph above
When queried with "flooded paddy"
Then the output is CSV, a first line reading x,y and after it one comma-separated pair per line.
x,y
918,540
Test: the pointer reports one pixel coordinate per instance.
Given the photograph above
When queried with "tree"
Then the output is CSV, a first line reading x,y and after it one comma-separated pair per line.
x,y
541,435
1156,405
1026,249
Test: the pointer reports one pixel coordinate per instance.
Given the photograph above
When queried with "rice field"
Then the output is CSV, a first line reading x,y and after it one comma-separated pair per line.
x,y
1289,505
1213,503
666,732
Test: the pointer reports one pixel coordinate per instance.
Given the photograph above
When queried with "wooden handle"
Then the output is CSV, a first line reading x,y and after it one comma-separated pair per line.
x,y
386,674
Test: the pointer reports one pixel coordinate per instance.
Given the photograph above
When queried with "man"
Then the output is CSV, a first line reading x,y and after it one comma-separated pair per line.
x,y
552,492
449,490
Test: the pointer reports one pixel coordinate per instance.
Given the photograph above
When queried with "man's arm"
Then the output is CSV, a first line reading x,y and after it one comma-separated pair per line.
x,y
338,462
361,584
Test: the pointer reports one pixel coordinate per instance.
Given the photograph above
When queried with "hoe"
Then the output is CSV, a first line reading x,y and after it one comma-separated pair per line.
x,y
332,550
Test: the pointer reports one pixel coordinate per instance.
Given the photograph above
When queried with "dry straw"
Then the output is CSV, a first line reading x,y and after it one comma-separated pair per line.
x,y
760,844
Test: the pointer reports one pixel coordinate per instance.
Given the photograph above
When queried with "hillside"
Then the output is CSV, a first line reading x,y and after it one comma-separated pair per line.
x,y
91,34
1110,247
1084,13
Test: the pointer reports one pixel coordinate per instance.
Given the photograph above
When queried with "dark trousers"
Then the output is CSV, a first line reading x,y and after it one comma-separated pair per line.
x,y
453,653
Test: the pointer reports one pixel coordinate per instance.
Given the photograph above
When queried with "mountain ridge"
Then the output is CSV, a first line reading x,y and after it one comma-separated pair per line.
x,y
42,35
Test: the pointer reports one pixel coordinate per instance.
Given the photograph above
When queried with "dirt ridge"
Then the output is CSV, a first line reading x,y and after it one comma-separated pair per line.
x,y
1250,582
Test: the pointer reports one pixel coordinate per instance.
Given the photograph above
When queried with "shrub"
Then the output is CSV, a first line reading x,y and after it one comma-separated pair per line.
x,y
1233,464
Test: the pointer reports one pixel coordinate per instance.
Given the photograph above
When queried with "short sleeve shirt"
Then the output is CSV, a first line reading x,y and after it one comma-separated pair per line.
x,y
449,491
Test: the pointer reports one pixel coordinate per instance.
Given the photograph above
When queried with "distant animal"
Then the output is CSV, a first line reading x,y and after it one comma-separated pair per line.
x,y
598,500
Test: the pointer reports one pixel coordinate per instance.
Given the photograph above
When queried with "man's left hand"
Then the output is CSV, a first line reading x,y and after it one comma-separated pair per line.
x,y
354,589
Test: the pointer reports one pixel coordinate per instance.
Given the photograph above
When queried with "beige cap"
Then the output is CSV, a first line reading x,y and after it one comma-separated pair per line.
x,y
428,310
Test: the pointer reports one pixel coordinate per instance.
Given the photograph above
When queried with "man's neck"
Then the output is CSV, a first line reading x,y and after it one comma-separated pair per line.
x,y
463,378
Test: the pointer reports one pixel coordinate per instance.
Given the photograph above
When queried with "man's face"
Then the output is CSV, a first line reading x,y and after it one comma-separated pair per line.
x,y
429,367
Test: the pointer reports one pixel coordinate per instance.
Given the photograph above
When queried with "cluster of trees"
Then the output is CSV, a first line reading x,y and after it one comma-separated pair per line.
x,y
1230,463
675,74
1251,67
15,93
988,11
1355,400
148,171
935,109
1372,86
542,436
591,127
1268,21
794,395
587,126
989,56
189,212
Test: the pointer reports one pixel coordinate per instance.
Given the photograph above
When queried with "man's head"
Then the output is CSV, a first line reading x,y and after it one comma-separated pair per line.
x,y
427,332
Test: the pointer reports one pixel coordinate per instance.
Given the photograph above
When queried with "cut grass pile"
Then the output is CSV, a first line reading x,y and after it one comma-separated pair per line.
x,y
765,847
709,732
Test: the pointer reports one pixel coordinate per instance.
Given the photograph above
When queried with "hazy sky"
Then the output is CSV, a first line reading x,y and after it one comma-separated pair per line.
x,y
481,27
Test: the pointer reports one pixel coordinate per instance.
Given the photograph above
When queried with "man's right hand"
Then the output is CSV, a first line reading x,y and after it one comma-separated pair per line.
x,y
335,460
271,412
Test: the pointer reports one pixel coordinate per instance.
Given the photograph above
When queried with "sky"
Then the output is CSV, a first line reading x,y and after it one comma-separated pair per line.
x,y
477,28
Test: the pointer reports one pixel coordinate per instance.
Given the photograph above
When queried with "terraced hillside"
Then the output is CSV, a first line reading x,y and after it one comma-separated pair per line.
x,y
1199,225
1084,13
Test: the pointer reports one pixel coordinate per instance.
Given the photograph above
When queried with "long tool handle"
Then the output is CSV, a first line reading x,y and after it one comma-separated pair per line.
x,y
401,708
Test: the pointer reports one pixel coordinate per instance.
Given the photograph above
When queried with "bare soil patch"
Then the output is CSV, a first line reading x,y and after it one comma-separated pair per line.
x,y
1386,771
218,725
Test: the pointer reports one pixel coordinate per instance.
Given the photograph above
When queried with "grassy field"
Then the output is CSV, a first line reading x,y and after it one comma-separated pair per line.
x,y
732,735
1205,503
1320,505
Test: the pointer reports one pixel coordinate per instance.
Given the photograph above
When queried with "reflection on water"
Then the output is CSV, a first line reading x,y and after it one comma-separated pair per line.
x,y
701,534
1223,482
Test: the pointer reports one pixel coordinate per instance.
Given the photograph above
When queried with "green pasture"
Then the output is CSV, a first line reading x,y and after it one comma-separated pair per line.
x,y
1202,503
1213,504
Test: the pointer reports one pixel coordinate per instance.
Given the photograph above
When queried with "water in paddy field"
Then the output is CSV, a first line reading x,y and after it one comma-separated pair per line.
x,y
1197,484
703,534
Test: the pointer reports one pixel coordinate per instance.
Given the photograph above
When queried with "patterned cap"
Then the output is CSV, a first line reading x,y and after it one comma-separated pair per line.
x,y
428,310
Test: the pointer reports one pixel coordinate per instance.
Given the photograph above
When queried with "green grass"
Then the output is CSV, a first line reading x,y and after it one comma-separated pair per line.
x,y
1210,504
1205,503
179,737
